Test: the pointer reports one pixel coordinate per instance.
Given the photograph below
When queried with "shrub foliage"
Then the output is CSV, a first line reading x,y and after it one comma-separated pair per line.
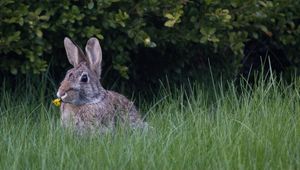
x,y
143,37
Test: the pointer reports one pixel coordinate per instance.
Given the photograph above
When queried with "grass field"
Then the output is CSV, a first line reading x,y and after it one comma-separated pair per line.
x,y
195,127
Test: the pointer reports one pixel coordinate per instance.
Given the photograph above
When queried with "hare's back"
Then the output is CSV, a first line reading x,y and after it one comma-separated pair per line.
x,y
123,104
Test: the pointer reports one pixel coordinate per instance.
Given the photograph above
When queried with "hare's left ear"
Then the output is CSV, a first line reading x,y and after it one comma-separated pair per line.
x,y
94,55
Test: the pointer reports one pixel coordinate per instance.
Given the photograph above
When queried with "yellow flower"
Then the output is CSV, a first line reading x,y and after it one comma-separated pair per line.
x,y
56,102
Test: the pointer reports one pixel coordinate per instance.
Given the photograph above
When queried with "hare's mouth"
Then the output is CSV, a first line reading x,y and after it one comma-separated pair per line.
x,y
64,96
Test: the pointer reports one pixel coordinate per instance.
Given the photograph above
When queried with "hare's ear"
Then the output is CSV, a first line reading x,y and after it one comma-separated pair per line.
x,y
94,55
74,53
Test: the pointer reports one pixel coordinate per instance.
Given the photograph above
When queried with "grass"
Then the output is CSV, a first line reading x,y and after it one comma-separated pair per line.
x,y
195,127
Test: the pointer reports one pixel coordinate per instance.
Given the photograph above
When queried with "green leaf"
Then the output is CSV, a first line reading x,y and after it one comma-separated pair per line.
x,y
170,23
44,17
91,5
39,33
100,36
169,16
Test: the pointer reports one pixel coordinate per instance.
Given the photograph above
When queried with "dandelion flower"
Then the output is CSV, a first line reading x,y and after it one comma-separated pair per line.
x,y
56,102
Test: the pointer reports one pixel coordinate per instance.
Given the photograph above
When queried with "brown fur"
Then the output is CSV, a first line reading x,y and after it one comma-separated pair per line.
x,y
104,114
86,104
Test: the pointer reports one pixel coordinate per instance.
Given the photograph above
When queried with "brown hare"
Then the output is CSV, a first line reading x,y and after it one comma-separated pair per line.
x,y
86,105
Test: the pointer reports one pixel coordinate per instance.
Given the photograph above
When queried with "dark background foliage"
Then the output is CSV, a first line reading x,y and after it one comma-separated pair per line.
x,y
143,41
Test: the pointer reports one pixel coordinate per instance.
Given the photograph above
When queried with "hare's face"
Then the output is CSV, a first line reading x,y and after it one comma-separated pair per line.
x,y
81,84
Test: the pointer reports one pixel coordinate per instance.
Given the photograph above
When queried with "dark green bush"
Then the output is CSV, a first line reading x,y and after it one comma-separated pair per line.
x,y
144,38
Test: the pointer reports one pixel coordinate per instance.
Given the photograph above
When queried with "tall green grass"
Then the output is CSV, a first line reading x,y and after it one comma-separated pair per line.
x,y
194,127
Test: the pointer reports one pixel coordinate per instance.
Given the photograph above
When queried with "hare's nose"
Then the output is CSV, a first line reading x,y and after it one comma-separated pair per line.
x,y
58,95
62,96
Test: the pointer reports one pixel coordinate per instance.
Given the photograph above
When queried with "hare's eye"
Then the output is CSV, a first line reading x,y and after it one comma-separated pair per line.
x,y
84,78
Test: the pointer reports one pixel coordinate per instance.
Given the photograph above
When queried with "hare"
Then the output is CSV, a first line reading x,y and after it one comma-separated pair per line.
x,y
86,105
